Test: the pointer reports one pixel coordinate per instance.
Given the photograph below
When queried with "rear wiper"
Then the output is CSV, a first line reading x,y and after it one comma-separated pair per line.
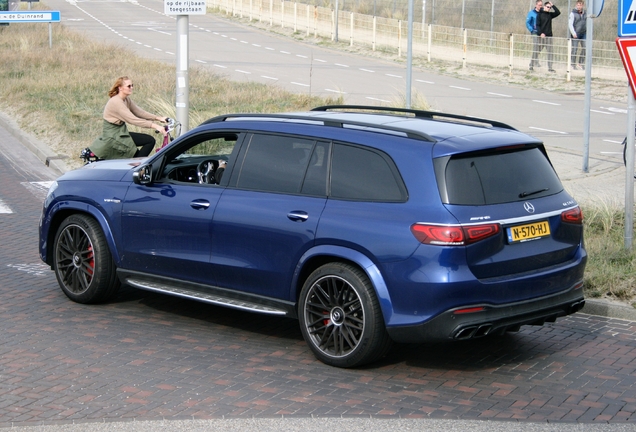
x,y
527,194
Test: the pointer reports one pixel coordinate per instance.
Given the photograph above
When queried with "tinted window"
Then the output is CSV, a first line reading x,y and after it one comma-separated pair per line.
x,y
361,174
315,182
275,163
501,177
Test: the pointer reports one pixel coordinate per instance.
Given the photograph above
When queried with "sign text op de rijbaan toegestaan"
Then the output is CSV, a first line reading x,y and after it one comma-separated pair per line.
x,y
184,7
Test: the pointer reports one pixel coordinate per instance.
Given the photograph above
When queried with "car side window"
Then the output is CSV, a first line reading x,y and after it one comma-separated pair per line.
x,y
275,163
184,163
365,175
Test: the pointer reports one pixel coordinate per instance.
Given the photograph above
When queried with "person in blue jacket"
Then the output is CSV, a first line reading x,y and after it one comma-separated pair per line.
x,y
531,25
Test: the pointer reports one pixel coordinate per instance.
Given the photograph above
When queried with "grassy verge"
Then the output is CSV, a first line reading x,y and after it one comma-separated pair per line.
x,y
58,95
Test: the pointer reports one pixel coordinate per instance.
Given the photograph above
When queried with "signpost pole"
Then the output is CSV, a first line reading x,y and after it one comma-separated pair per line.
x,y
629,172
588,87
182,92
183,9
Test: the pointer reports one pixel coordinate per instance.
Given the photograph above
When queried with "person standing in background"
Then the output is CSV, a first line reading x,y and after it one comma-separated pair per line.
x,y
544,28
577,23
531,25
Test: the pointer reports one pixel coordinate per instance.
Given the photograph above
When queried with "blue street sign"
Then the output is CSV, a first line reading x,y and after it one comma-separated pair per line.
x,y
626,18
30,16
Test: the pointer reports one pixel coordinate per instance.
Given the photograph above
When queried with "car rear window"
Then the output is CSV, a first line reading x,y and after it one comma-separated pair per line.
x,y
497,177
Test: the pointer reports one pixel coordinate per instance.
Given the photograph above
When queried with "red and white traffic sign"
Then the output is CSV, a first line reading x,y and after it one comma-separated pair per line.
x,y
627,51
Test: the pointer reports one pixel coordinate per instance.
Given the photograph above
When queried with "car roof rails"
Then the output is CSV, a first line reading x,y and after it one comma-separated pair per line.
x,y
432,115
350,124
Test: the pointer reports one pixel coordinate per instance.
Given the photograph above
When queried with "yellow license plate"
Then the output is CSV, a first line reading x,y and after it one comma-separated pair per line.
x,y
533,231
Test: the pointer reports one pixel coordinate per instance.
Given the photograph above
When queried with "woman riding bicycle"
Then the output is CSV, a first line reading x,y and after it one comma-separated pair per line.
x,y
116,142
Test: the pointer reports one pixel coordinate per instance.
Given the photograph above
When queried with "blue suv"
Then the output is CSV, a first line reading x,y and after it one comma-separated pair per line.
x,y
369,225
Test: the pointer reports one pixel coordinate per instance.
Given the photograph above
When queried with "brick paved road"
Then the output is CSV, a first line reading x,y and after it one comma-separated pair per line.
x,y
148,356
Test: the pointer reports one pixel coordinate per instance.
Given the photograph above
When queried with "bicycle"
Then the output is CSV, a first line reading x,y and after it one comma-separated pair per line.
x,y
88,156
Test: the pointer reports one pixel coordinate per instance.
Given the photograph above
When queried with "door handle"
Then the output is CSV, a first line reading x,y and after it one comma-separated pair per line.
x,y
200,204
298,216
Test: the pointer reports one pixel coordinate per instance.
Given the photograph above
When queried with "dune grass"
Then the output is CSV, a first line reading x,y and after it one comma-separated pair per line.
x,y
58,95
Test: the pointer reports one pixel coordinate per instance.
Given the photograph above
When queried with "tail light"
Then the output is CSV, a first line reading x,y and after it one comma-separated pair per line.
x,y
453,235
573,216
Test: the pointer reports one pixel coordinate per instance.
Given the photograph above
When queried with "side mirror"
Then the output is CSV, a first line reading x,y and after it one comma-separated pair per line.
x,y
143,175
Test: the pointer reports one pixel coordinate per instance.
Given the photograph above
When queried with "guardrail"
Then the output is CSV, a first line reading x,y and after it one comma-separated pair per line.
x,y
432,42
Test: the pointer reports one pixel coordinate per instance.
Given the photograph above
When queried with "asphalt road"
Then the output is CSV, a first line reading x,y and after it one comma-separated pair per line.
x,y
244,53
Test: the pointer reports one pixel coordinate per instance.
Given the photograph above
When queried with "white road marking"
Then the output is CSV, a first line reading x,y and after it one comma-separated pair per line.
x,y
301,56
459,88
220,66
300,84
548,130
613,142
341,65
39,189
271,49
377,99
321,61
285,52
393,76
5,208
498,94
242,71
335,91
39,269
269,78
617,110
602,112
367,70
545,102
425,82
201,61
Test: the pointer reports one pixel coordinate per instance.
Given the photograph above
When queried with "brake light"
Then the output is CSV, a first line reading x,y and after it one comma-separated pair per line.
x,y
453,235
573,216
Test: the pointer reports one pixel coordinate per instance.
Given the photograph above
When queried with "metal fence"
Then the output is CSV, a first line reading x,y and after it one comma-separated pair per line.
x,y
430,42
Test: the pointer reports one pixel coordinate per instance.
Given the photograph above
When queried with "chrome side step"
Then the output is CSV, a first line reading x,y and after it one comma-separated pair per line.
x,y
207,298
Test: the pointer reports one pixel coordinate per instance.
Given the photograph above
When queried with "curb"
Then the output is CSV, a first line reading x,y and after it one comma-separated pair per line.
x,y
598,307
38,148
609,309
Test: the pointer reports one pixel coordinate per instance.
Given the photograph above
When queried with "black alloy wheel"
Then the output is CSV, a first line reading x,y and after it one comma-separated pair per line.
x,y
340,317
82,262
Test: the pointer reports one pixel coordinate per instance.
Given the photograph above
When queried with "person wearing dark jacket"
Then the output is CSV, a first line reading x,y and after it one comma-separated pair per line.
x,y
544,28
577,23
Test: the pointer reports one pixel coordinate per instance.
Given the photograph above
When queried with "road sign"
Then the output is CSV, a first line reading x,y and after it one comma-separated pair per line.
x,y
30,16
626,18
627,51
184,7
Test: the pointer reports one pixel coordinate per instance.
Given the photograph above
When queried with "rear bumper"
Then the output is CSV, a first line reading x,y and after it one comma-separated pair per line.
x,y
489,319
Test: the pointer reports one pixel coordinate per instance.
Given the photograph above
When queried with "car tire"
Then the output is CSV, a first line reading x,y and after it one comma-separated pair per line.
x,y
82,262
340,317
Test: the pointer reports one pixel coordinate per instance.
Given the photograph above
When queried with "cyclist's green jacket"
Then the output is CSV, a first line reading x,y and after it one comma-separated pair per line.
x,y
115,142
